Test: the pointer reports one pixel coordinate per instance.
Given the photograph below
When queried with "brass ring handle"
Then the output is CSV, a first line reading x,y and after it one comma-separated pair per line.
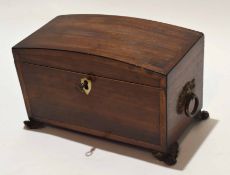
x,y
189,97
85,85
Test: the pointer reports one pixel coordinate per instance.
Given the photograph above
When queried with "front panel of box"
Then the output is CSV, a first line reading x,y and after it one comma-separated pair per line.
x,y
111,106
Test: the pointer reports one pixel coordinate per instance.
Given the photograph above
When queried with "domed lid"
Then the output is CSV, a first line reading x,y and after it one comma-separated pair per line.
x,y
147,44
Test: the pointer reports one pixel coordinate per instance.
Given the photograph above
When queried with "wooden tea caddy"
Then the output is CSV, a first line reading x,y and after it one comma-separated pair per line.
x,y
125,79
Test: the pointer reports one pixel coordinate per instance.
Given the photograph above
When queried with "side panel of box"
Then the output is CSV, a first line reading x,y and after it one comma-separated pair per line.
x,y
190,67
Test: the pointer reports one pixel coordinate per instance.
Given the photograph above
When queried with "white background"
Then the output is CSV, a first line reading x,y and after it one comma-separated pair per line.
x,y
204,150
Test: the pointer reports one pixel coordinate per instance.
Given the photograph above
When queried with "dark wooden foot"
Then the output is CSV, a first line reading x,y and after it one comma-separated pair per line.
x,y
170,157
202,115
33,124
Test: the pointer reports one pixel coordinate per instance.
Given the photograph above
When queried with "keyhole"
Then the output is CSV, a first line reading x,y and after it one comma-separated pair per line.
x,y
86,85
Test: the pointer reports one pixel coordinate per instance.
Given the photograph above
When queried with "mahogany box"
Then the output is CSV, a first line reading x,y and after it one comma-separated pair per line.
x,y
125,79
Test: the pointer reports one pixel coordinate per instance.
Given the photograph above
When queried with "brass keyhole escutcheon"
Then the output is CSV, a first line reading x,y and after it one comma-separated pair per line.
x,y
86,85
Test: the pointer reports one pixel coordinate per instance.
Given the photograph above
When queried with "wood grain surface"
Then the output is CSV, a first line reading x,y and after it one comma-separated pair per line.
x,y
148,44
89,64
191,67
113,107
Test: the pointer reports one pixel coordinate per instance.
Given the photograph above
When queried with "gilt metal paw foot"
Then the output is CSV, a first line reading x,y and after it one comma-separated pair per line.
x,y
170,157
33,124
